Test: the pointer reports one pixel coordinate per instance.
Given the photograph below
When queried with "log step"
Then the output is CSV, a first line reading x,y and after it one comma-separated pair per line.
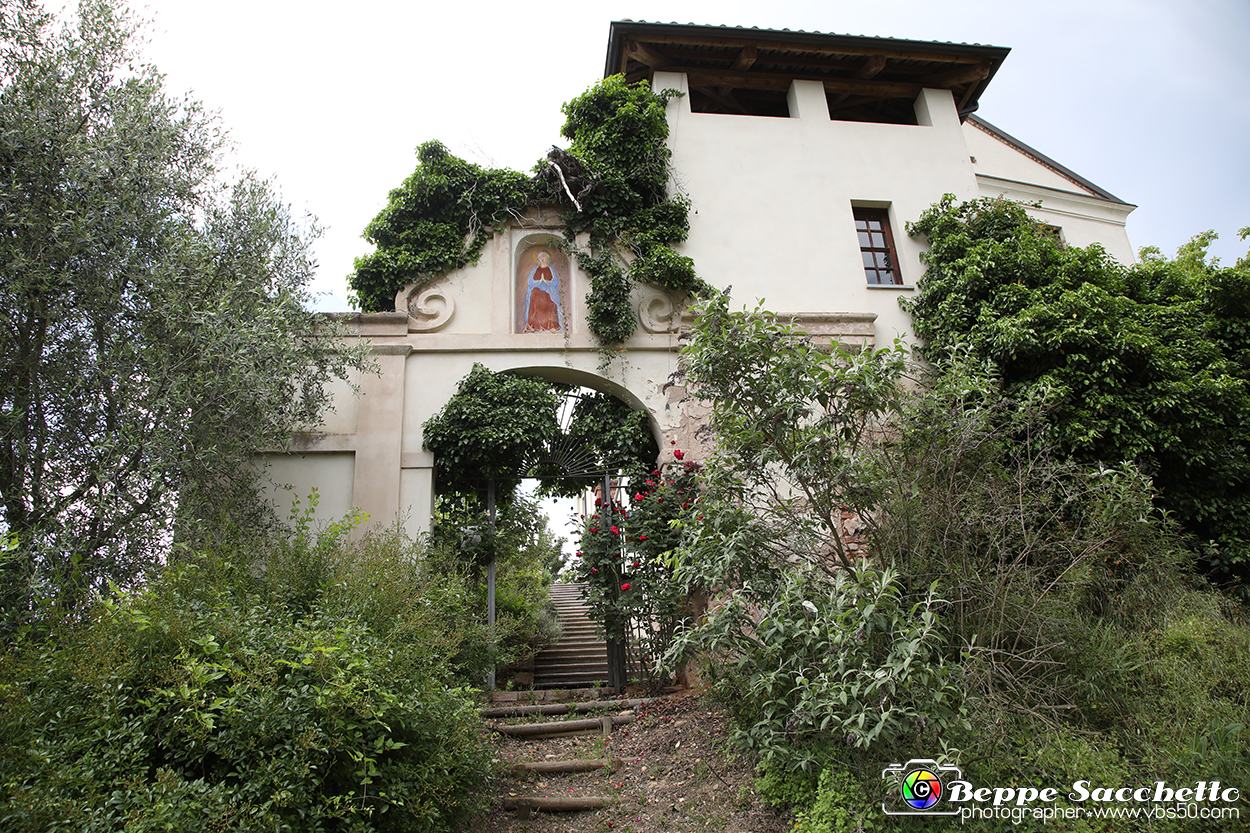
x,y
565,708
564,727
524,806
523,770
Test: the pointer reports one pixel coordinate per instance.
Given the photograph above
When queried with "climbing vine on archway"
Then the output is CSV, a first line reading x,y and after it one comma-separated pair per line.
x,y
500,426
611,184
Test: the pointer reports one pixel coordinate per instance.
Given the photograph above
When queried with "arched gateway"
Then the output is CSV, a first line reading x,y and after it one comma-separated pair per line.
x,y
803,156
369,452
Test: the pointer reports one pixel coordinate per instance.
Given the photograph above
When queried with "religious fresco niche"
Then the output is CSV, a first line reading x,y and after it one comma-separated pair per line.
x,y
542,290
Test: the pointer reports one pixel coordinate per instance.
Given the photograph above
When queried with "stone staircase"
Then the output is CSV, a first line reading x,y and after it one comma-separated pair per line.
x,y
580,658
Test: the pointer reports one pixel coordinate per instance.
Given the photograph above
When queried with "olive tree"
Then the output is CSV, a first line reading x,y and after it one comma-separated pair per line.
x,y
154,329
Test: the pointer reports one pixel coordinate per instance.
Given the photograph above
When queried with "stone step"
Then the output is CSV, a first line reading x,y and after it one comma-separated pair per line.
x,y
579,670
579,634
585,646
572,659
580,656
588,645
578,680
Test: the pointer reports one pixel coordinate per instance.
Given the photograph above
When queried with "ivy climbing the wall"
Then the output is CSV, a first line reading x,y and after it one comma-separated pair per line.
x,y
611,184
437,221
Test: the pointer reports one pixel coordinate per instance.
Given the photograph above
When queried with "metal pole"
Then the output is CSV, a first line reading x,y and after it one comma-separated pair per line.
x,y
490,581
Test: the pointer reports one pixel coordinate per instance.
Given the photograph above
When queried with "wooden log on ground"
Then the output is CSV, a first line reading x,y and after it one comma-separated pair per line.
x,y
571,765
565,708
525,806
539,730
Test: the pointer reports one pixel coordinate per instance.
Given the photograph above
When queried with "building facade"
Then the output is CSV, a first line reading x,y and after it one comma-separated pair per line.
x,y
804,155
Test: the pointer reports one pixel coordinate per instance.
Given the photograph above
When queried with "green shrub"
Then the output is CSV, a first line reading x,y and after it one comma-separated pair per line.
x,y
303,687
819,661
839,806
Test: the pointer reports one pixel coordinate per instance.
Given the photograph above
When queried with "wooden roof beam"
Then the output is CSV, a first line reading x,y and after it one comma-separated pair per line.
x,y
781,82
742,63
818,48
870,67
956,77
745,58
644,54
722,97
867,70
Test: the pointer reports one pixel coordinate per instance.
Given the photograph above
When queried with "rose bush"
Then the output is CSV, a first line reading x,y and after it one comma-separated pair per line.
x,y
627,567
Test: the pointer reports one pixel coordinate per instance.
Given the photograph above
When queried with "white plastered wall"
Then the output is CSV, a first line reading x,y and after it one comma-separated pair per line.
x,y
292,477
1082,216
772,197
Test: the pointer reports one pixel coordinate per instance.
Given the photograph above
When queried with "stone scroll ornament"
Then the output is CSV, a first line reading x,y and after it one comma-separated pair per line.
x,y
658,312
429,308
542,275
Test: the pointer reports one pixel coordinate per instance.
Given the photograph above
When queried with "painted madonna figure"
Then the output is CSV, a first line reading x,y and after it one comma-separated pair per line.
x,y
542,296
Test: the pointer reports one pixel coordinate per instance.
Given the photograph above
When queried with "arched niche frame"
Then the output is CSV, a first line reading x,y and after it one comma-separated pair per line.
x,y
542,285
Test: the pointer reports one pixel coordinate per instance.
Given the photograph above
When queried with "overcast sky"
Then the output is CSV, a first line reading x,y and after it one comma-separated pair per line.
x,y
1149,99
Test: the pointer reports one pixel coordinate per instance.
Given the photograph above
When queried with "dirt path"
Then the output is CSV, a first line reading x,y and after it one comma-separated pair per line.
x,y
677,773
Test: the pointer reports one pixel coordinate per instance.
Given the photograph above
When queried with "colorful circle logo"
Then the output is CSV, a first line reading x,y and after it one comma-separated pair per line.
x,y
922,789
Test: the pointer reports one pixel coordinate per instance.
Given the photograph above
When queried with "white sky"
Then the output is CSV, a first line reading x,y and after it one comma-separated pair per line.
x,y
1149,99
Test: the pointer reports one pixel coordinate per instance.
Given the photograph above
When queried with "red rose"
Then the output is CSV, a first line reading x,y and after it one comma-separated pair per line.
x,y
615,531
678,453
642,537
625,586
638,496
594,529
594,570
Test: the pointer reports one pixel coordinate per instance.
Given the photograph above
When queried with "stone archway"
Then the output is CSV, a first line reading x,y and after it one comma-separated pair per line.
x,y
369,451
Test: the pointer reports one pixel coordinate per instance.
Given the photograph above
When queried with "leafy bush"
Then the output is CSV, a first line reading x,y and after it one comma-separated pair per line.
x,y
813,662
839,806
303,686
1054,594
527,555
495,426
437,221
1147,364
